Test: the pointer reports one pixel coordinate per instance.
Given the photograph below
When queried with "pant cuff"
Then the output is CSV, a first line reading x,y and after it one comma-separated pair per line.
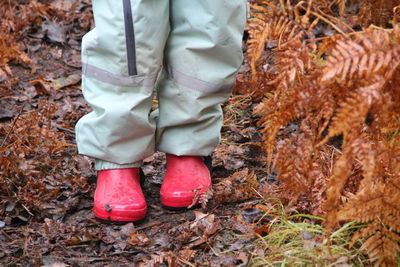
x,y
106,165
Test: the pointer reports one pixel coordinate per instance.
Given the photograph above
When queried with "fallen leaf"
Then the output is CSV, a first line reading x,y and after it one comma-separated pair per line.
x,y
3,75
240,186
5,114
186,254
87,237
139,240
10,206
42,87
64,5
27,60
244,257
66,81
251,215
202,219
229,156
223,260
56,264
54,31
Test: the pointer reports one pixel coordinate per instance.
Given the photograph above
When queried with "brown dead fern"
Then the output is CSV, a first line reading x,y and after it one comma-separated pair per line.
x,y
29,146
240,186
273,27
377,204
341,92
377,12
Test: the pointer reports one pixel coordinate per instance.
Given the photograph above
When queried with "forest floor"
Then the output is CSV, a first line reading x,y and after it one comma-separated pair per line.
x,y
61,230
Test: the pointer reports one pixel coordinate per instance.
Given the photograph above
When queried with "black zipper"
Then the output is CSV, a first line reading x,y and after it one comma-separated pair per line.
x,y
130,38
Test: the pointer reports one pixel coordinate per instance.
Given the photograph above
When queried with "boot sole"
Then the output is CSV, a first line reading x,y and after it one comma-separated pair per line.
x,y
106,221
138,215
180,208
175,204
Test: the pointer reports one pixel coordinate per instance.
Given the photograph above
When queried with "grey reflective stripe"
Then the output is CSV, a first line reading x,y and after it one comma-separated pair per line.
x,y
197,84
118,80
130,37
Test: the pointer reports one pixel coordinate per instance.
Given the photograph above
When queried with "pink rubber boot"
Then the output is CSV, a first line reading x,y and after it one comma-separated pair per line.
x,y
118,196
185,177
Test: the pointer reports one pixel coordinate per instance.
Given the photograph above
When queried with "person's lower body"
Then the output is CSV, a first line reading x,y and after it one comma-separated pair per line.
x,y
189,51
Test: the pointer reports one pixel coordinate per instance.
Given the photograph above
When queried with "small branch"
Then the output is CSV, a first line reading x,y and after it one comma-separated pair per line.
x,y
65,130
12,126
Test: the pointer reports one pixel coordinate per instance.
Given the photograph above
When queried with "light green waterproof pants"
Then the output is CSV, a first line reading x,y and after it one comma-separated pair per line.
x,y
188,50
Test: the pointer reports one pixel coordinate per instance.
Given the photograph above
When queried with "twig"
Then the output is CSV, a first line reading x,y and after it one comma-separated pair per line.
x,y
213,250
324,19
6,235
12,126
22,204
186,262
65,130
148,225
30,213
338,21
258,193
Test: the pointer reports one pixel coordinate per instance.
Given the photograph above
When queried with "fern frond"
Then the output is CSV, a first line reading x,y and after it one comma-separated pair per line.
x,y
353,112
350,101
378,12
295,159
276,115
272,26
367,55
377,204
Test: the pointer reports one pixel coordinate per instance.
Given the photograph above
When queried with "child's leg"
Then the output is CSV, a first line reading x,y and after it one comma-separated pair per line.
x,y
203,55
121,57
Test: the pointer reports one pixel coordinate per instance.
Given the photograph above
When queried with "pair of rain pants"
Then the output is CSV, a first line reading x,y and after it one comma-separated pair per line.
x,y
189,51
